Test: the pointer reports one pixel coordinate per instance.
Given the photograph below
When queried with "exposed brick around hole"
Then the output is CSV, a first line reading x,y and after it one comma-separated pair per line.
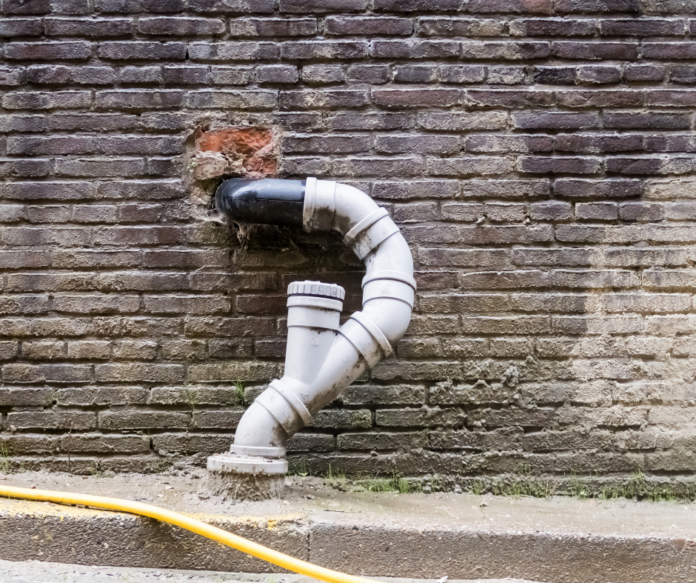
x,y
235,140
256,146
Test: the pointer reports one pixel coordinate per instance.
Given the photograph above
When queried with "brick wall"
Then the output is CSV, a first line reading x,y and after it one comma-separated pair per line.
x,y
537,154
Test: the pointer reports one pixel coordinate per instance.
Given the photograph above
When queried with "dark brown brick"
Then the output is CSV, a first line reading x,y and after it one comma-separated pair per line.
x,y
178,26
651,121
566,27
236,51
323,50
319,6
669,50
137,6
323,99
382,26
595,50
512,51
590,6
417,5
450,26
559,165
401,49
508,99
642,27
269,27
415,97
142,51
601,189
644,73
598,98
87,27
555,120
21,27
231,6
26,7
597,75
139,99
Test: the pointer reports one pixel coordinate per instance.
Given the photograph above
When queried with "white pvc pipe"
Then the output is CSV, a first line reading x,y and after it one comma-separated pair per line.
x,y
323,359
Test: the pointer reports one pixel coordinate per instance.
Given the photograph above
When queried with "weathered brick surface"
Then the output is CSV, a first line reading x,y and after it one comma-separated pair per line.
x,y
538,156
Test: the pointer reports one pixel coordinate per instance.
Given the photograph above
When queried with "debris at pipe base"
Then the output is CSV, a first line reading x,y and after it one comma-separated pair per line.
x,y
246,477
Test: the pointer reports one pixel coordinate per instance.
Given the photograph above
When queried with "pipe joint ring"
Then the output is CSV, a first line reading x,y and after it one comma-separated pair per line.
x,y
389,289
374,331
311,312
280,409
386,274
362,341
314,302
352,235
293,400
373,236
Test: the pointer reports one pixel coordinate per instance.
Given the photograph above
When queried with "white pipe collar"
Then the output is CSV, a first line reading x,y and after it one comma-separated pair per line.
x,y
319,205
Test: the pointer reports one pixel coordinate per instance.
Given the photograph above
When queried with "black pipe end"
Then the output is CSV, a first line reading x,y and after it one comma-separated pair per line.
x,y
267,201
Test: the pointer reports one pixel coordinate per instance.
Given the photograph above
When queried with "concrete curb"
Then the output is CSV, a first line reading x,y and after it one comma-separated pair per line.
x,y
468,553
48,532
366,544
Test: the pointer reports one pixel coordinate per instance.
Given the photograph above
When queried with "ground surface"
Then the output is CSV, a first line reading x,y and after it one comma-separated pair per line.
x,y
38,572
427,536
312,497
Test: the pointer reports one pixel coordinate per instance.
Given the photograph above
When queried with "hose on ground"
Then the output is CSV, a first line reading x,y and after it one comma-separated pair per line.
x,y
183,521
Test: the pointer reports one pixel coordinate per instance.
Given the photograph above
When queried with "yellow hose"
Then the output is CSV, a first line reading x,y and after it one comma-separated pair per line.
x,y
211,532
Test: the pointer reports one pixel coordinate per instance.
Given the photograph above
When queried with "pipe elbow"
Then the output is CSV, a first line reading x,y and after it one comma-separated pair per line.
x,y
352,207
259,433
332,206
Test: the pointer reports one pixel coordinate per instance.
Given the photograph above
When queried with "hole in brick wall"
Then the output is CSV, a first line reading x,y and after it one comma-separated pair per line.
x,y
216,153
234,152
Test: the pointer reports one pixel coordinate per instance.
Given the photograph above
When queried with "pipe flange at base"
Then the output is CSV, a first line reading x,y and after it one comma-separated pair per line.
x,y
245,477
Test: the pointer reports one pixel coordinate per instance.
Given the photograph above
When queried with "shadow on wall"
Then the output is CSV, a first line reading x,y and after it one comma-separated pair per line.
x,y
567,361
586,367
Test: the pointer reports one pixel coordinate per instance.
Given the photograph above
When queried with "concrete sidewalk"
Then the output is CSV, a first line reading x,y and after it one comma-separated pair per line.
x,y
461,536
38,572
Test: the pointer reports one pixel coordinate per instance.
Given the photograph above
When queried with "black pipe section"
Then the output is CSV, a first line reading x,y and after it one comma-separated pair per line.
x,y
267,201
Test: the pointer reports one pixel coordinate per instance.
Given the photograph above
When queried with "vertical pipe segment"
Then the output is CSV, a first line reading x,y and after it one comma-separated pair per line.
x,y
322,357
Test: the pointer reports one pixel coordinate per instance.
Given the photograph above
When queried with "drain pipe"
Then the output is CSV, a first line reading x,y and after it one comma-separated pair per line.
x,y
322,357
